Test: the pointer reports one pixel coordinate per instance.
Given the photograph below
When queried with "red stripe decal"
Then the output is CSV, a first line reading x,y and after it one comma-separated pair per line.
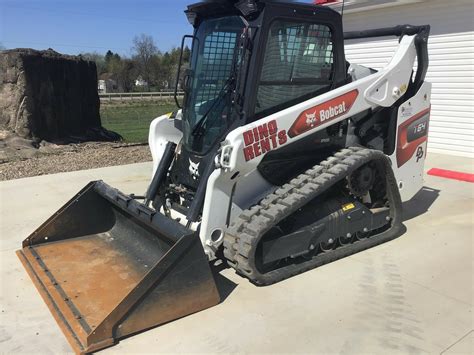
x,y
323,113
450,174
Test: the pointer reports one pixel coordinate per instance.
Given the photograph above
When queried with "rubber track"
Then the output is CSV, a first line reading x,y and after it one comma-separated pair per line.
x,y
243,236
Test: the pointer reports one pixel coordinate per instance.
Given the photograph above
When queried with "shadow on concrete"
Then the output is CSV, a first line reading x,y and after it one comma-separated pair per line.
x,y
420,203
224,285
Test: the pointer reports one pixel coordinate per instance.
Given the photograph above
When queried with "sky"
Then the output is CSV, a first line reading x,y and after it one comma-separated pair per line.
x,y
78,26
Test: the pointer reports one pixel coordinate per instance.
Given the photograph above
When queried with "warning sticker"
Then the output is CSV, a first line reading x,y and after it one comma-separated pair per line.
x,y
348,207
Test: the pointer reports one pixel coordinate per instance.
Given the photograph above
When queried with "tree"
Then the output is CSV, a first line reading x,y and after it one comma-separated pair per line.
x,y
186,54
170,62
108,56
144,49
114,66
98,59
160,72
124,71
111,59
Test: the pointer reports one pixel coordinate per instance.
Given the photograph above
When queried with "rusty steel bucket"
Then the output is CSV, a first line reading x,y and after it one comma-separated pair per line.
x,y
108,266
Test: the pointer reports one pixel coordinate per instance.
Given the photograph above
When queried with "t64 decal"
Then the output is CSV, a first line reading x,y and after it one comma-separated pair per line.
x,y
323,113
411,134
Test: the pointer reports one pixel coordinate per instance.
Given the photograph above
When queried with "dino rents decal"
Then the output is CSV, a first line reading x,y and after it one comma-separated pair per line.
x,y
323,113
411,134
262,139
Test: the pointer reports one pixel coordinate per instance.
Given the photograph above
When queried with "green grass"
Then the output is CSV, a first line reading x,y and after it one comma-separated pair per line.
x,y
132,120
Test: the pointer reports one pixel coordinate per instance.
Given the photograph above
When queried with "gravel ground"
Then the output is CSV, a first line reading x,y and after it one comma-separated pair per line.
x,y
75,157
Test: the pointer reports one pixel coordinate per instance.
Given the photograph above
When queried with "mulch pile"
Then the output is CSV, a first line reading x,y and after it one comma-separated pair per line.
x,y
73,157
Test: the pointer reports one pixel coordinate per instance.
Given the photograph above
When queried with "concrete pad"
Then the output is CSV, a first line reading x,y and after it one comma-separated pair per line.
x,y
450,162
411,295
465,345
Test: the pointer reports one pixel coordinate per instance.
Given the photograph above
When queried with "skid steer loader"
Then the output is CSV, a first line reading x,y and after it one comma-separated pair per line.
x,y
283,157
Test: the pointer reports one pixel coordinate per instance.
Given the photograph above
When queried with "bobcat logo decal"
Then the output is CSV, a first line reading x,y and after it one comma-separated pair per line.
x,y
194,169
311,119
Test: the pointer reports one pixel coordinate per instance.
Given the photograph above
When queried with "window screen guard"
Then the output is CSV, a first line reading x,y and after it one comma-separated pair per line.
x,y
298,61
212,65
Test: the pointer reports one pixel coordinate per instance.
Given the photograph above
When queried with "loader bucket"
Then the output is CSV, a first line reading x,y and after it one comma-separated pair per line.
x,y
108,266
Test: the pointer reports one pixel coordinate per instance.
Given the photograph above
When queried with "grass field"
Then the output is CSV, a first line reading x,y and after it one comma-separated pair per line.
x,y
132,120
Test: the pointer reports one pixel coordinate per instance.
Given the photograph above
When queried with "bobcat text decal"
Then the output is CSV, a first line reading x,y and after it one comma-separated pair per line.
x,y
263,139
323,113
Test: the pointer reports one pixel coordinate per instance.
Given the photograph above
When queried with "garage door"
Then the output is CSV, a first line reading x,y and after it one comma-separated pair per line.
x,y
451,70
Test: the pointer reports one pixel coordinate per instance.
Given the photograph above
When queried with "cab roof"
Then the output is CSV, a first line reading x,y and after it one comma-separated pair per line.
x,y
247,8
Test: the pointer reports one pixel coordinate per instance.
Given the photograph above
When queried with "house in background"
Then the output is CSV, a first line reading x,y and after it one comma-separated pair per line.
x,y
141,83
106,84
101,86
451,55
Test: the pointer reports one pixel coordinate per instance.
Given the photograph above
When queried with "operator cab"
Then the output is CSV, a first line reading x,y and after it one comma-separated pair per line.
x,y
232,82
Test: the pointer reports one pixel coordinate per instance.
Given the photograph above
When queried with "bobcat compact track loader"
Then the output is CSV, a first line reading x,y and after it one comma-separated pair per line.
x,y
283,157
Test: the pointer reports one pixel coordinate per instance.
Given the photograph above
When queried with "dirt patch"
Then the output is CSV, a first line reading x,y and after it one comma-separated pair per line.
x,y
73,157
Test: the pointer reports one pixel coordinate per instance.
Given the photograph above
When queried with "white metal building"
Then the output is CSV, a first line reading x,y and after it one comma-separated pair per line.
x,y
451,54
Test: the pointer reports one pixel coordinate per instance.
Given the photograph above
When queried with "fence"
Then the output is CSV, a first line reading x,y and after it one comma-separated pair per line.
x,y
129,96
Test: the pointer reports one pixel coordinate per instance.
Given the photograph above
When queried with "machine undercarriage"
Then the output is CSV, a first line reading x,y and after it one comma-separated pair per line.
x,y
315,218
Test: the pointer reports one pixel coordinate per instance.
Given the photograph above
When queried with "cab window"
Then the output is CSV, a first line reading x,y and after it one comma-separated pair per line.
x,y
298,62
